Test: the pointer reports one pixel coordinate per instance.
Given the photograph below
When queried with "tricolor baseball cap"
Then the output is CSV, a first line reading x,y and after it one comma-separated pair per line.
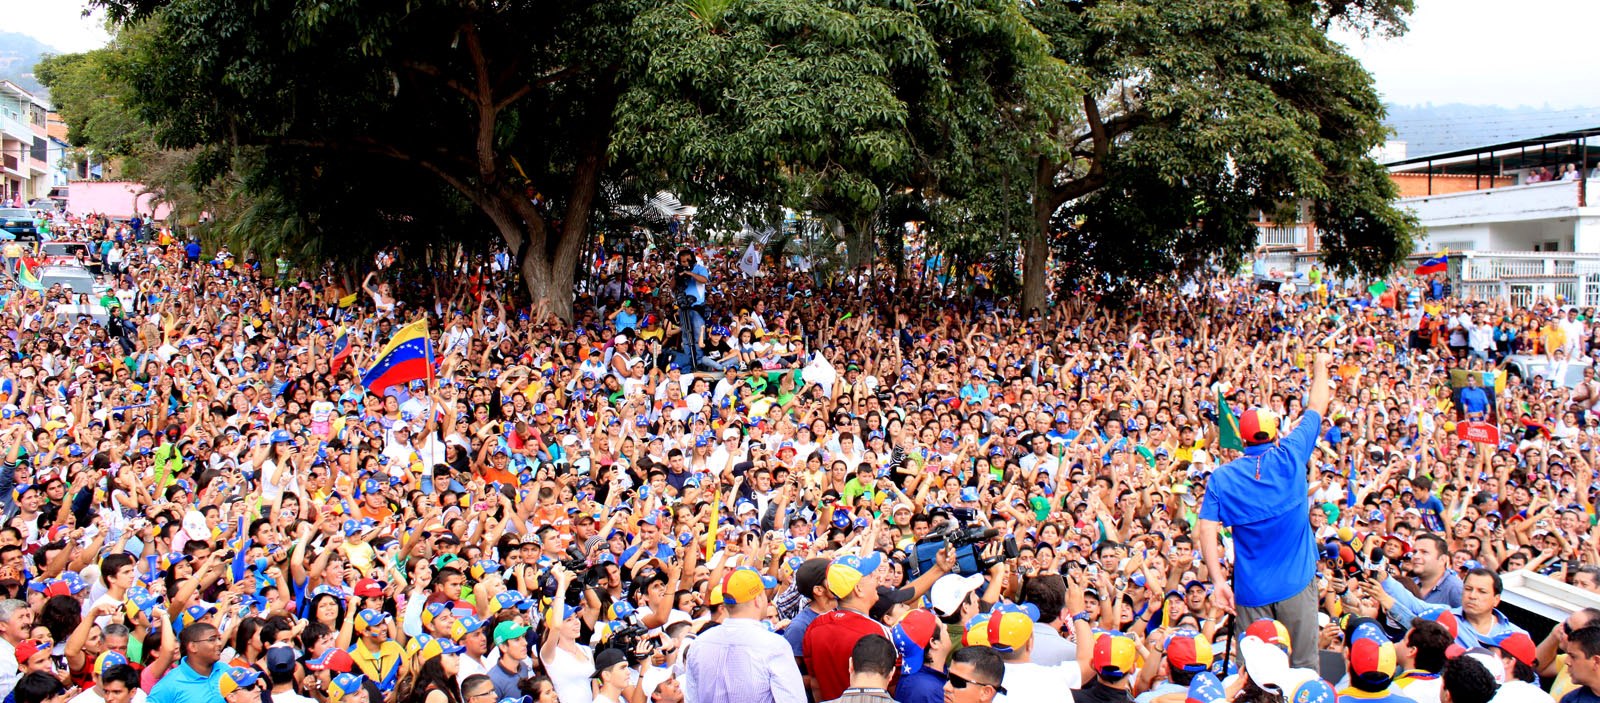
x,y
192,615
107,660
1258,426
846,572
1187,651
1372,655
369,618
344,685
1444,617
466,625
237,678
911,637
744,584
1114,655
1205,688
438,646
433,610
1517,644
1008,628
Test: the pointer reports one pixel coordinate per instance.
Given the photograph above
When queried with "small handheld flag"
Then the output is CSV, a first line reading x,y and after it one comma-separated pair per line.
x,y
27,274
341,350
1227,426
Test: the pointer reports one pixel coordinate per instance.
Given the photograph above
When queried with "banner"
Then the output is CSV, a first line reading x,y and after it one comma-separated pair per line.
x,y
1480,432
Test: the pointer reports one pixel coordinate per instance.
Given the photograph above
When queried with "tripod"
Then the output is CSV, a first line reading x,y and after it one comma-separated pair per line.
x,y
689,324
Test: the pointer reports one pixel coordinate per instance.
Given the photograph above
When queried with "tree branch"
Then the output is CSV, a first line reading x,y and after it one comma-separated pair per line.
x,y
515,95
1100,136
431,70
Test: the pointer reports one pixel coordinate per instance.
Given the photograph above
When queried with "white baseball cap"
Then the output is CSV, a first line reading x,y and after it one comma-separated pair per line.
x,y
951,590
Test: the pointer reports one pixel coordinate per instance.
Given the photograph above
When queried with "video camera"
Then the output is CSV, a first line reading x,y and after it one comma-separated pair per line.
x,y
585,577
957,529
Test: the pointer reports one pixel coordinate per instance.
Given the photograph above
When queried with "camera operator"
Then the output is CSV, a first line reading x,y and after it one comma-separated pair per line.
x,y
689,286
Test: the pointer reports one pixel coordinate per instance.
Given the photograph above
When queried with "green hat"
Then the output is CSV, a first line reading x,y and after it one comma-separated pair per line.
x,y
507,631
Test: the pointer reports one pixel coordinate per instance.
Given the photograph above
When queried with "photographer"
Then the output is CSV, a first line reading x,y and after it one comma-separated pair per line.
x,y
689,279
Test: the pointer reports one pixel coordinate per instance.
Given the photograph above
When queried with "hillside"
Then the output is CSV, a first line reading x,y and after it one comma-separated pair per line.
x,y
18,54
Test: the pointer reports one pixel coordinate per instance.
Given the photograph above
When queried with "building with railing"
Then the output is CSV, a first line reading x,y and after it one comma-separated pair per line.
x,y
1517,218
28,162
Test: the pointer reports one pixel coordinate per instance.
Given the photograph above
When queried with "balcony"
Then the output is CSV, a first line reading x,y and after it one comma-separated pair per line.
x,y
1524,277
17,129
1538,201
1282,235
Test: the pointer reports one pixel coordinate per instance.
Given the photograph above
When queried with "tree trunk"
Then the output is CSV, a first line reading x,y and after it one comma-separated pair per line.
x,y
1035,254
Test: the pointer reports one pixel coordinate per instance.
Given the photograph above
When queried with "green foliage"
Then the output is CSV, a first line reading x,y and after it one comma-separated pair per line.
x,y
1204,111
1141,133
94,99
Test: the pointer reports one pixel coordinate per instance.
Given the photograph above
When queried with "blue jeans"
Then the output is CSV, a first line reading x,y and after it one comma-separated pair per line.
x,y
694,326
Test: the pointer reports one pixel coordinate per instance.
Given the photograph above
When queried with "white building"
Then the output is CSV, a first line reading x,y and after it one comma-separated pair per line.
x,y
29,159
1518,218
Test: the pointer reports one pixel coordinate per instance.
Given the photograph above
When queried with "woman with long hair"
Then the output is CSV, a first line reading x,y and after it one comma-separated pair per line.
x,y
435,681
327,609
569,664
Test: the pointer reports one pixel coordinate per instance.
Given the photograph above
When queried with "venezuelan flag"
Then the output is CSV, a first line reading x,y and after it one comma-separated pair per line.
x,y
341,350
407,357
1437,264
27,275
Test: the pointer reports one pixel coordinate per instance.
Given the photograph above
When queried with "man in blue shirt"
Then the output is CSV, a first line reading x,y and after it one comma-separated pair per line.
x,y
1473,398
1480,622
1583,662
197,675
1262,497
924,646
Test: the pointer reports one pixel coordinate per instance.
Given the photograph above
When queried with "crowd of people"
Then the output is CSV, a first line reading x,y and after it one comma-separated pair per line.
x,y
864,487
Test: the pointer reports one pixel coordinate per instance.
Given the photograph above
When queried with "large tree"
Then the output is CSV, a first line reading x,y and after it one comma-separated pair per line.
x,y
509,104
1192,115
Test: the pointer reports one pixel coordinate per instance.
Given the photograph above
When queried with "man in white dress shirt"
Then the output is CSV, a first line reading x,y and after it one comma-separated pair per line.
x,y
741,661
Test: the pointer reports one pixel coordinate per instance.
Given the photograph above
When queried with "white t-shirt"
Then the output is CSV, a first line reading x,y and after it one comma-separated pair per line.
x,y
1033,682
569,674
1520,692
1421,691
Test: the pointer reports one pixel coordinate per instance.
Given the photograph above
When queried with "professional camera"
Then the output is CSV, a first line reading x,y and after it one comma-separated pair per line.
x,y
628,638
583,577
957,529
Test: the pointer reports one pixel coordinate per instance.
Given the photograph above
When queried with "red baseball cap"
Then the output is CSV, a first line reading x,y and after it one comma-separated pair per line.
x,y
369,588
1270,631
27,648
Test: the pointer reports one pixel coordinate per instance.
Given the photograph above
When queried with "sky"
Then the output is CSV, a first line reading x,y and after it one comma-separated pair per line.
x,y
59,23
1529,53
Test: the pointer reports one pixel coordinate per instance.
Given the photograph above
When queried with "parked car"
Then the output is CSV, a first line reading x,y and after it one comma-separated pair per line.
x,y
75,278
19,223
1527,366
